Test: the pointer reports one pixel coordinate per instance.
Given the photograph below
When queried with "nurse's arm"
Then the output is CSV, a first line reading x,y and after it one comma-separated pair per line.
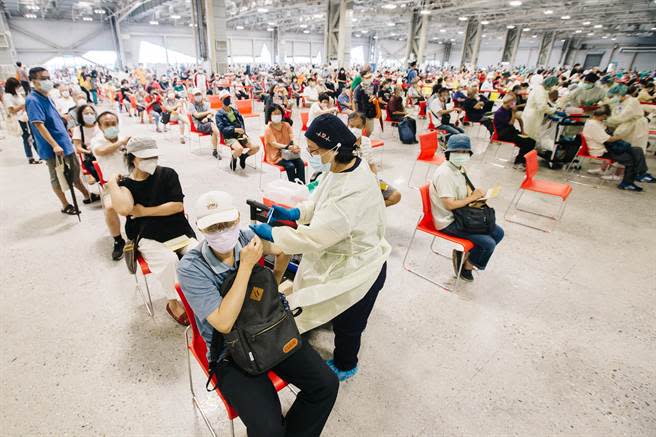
x,y
325,231
307,211
281,262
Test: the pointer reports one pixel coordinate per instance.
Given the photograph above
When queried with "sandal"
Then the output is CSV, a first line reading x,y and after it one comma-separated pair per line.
x,y
182,319
93,197
70,210
35,161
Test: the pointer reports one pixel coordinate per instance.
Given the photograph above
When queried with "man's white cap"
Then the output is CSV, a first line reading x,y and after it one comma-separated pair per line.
x,y
196,91
223,94
214,207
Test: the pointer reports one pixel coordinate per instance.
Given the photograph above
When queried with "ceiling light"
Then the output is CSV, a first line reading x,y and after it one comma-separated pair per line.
x,y
391,24
578,31
547,12
175,17
586,23
462,18
534,36
271,24
87,18
30,16
84,4
452,39
442,30
460,32
565,17
653,28
425,12
510,26
239,27
97,11
440,42
605,37
191,24
597,26
33,8
613,39
483,36
357,35
269,29
389,6
317,16
306,31
365,31
515,3
484,22
591,34
154,22
526,29
303,26
262,10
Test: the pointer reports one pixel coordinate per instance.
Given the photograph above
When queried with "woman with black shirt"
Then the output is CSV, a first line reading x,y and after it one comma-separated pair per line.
x,y
151,199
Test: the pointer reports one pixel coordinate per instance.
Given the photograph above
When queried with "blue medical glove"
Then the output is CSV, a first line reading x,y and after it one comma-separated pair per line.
x,y
279,213
263,231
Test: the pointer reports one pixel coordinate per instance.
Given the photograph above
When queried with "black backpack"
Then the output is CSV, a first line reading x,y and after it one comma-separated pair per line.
x,y
265,332
407,130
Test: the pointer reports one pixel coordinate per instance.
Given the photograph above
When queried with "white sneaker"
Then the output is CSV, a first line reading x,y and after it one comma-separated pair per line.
x,y
595,171
611,177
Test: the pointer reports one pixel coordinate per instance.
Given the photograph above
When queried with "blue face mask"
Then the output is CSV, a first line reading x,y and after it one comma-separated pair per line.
x,y
317,165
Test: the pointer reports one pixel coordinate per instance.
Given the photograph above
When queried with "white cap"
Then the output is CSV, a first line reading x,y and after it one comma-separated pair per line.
x,y
223,94
196,91
142,147
214,207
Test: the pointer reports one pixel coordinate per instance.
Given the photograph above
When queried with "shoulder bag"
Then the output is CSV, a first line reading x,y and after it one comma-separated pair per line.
x,y
475,218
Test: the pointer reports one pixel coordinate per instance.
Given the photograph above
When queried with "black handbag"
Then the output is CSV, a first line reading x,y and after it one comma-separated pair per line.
x,y
475,218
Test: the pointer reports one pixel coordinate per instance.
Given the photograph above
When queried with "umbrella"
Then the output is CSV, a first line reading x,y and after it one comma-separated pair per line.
x,y
68,174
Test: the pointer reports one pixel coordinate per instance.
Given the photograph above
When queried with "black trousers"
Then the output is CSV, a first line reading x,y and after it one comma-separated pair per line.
x,y
525,144
258,405
26,86
295,169
349,326
633,161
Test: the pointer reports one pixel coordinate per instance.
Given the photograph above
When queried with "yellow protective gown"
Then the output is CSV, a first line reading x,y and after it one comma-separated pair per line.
x,y
630,123
537,106
341,235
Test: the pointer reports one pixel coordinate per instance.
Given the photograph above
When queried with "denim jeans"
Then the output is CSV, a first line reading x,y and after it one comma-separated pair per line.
x,y
27,139
632,158
451,130
484,244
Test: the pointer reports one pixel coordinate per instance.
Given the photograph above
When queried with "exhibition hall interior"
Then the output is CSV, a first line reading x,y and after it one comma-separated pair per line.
x,y
339,218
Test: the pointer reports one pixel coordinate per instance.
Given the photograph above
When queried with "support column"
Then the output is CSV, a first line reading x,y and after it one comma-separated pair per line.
x,y
612,54
446,54
217,35
337,45
7,51
546,45
200,29
417,37
471,43
276,46
115,26
511,45
371,54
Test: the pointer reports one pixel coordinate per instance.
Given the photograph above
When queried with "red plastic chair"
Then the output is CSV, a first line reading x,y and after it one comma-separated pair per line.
x,y
426,225
102,181
215,102
305,115
196,346
280,168
422,109
245,108
494,139
428,145
583,154
431,125
145,271
195,132
542,186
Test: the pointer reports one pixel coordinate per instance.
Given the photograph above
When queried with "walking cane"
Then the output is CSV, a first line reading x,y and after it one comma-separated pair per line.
x,y
68,174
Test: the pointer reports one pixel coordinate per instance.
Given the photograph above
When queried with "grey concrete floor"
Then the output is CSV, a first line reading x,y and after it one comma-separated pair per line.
x,y
557,337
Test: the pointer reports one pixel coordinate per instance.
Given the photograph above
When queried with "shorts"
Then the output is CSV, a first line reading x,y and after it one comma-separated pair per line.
x,y
386,189
204,127
72,162
106,199
232,142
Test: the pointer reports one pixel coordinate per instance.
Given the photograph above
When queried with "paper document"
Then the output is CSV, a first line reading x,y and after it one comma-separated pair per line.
x,y
492,192
177,243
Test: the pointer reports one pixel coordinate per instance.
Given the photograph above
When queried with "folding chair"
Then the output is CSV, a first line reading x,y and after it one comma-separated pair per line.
x,y
422,109
280,168
583,155
84,171
426,225
245,108
431,125
215,102
530,183
145,271
193,130
196,346
304,119
476,124
495,139
428,145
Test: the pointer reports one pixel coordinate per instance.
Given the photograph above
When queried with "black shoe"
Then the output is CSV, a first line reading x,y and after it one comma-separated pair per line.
x,y
215,154
466,275
242,161
93,197
233,164
117,252
456,258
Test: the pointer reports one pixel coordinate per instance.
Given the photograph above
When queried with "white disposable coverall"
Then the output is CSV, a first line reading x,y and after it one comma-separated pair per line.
x,y
537,106
341,235
630,123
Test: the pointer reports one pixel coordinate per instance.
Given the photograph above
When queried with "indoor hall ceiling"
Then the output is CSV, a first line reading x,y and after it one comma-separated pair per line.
x,y
380,19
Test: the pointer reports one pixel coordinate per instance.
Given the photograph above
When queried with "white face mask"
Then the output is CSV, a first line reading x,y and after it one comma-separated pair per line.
x,y
223,241
198,99
89,118
111,132
459,159
276,118
147,165
317,165
65,94
356,131
46,85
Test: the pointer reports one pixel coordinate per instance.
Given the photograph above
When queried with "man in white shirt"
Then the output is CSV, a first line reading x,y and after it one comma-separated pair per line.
x,y
311,93
322,106
108,150
601,143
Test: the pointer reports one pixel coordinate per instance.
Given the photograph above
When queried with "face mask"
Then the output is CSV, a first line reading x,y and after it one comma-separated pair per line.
x,y
111,132
587,86
226,101
46,85
171,96
459,159
223,241
356,131
65,94
89,118
147,165
276,118
317,164
198,99
616,100
366,82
